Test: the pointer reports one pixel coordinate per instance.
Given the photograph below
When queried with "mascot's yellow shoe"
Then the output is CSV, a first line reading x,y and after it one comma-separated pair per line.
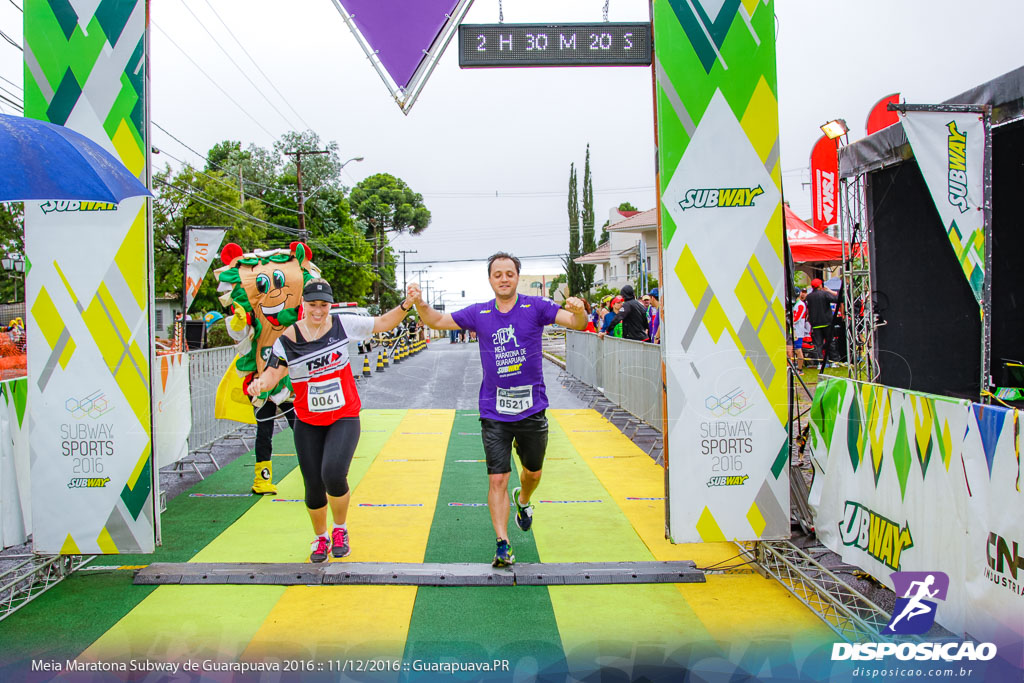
x,y
263,481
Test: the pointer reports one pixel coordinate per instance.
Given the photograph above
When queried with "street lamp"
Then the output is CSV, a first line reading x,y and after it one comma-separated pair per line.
x,y
16,265
352,159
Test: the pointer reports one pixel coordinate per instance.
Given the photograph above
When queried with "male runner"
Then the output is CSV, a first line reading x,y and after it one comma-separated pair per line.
x,y
512,394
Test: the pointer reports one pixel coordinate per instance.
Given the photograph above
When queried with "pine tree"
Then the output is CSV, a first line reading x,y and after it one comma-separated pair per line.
x,y
573,271
589,244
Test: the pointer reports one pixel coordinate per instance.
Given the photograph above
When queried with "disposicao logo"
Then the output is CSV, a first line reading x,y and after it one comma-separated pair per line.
x,y
957,147
914,614
723,197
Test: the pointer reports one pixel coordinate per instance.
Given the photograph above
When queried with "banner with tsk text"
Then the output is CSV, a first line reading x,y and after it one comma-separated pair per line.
x,y
87,290
950,150
201,249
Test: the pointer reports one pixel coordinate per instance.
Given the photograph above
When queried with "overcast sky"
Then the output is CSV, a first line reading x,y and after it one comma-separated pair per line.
x,y
490,149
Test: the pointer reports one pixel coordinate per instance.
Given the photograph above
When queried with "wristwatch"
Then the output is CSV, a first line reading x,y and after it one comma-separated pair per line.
x,y
404,308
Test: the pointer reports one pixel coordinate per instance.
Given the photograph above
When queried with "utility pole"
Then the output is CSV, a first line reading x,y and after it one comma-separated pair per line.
x,y
403,252
298,154
241,188
426,283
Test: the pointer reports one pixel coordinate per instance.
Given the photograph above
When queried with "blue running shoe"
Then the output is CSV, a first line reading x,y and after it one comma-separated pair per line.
x,y
524,513
503,556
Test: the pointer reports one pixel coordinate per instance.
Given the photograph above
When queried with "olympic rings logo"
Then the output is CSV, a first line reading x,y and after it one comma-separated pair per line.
x,y
95,405
732,404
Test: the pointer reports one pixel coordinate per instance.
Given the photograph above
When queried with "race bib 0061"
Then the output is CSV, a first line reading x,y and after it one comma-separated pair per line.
x,y
514,400
325,396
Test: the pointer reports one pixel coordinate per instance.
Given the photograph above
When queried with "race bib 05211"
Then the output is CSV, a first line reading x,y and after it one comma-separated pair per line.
x,y
514,400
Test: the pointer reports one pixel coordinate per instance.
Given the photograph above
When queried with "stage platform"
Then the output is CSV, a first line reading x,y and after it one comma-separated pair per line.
x,y
419,491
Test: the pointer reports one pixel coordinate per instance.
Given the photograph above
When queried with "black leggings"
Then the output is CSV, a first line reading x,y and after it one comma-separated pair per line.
x,y
325,453
265,427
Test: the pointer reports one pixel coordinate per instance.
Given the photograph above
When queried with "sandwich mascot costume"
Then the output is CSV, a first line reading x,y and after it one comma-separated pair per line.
x,y
263,294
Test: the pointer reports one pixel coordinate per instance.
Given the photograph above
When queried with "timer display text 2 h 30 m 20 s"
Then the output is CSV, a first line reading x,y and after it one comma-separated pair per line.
x,y
587,44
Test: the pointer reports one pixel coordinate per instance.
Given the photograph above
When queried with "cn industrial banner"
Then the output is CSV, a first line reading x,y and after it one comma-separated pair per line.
x,y
724,326
912,482
87,290
994,571
950,150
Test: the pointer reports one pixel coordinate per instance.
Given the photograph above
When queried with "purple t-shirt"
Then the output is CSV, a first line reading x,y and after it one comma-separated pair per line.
x,y
510,352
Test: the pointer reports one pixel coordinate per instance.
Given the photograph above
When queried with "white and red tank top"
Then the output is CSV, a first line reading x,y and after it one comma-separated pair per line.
x,y
325,390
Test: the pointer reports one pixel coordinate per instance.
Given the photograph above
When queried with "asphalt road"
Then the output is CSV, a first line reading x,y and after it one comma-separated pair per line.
x,y
445,375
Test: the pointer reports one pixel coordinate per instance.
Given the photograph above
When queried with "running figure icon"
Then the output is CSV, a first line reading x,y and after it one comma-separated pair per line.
x,y
915,606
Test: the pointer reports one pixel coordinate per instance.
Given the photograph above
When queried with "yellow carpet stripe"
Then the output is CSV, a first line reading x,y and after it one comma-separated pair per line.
x,y
591,618
732,607
220,621
331,622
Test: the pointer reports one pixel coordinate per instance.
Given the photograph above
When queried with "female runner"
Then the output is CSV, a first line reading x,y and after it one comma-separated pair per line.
x,y
314,351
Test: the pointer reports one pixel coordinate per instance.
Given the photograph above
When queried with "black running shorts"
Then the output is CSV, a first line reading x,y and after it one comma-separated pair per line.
x,y
531,438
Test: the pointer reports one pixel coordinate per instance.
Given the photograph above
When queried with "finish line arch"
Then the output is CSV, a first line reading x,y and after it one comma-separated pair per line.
x,y
90,368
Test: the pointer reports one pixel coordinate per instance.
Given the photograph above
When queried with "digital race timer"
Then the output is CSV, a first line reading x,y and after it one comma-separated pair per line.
x,y
589,44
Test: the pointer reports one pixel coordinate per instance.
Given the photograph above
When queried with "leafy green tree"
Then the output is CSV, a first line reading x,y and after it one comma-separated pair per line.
x,y
554,284
588,224
189,199
384,204
340,249
12,241
318,170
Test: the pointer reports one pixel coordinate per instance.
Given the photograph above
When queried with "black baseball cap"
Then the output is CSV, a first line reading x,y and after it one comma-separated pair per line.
x,y
318,291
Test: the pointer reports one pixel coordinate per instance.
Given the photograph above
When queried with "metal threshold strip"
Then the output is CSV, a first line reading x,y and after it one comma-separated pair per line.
x,y
414,574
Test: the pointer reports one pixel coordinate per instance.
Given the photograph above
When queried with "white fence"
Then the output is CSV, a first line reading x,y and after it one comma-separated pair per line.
x,y
627,372
205,369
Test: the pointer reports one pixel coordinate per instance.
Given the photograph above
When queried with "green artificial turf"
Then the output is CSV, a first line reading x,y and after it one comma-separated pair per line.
x,y
65,620
479,624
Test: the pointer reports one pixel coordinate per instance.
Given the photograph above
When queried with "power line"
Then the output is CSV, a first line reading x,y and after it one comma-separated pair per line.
x,y
210,201
231,33
226,184
485,258
11,41
16,6
12,84
232,60
210,78
545,193
224,208
12,103
207,159
12,94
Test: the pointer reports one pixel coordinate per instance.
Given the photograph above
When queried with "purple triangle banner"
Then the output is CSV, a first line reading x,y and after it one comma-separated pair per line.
x,y
400,33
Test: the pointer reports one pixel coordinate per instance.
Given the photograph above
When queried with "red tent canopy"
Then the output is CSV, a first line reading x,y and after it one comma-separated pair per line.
x,y
807,244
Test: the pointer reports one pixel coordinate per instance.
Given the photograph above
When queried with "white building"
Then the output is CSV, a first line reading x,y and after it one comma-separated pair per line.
x,y
618,259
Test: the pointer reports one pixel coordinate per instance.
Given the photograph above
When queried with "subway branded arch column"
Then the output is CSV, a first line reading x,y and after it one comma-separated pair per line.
x,y
87,289
722,263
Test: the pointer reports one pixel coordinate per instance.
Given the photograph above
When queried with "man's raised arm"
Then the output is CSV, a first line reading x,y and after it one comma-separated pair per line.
x,y
431,318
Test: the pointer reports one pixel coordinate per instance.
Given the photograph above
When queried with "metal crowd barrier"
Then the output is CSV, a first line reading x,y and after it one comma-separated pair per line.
x,y
205,369
627,372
